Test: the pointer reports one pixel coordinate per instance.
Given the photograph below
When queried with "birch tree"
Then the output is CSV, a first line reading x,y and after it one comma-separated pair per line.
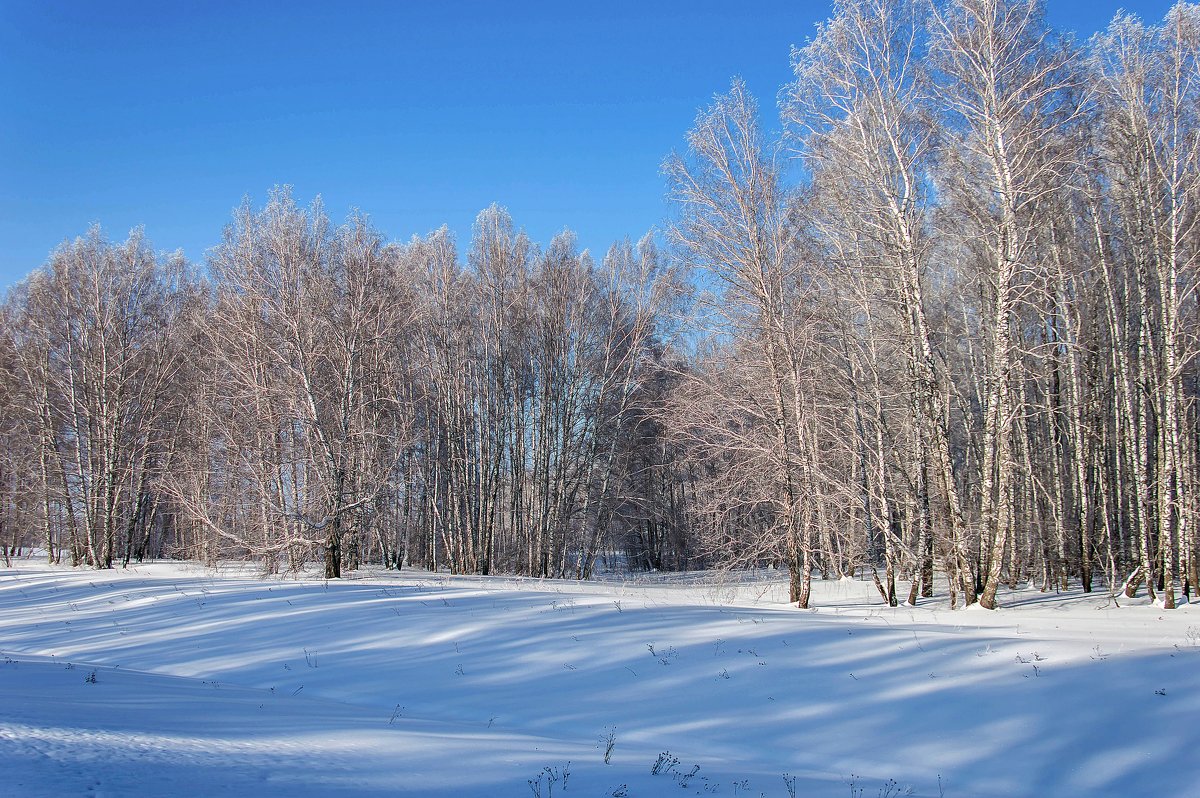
x,y
1006,83
733,223
859,114
307,321
1149,92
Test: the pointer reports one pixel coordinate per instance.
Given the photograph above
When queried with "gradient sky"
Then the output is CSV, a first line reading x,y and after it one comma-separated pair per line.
x,y
167,113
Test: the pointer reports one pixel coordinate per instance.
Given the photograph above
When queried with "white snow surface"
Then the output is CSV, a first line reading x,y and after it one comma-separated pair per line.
x,y
168,679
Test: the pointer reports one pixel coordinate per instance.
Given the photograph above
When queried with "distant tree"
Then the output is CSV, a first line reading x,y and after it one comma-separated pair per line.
x,y
95,358
306,326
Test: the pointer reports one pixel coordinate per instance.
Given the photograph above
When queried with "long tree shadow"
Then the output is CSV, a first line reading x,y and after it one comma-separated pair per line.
x,y
988,709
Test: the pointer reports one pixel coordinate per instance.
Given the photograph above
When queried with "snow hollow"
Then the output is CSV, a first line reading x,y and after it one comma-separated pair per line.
x,y
169,679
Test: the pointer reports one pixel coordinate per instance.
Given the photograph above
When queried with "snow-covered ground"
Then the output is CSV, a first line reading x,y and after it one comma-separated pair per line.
x,y
170,680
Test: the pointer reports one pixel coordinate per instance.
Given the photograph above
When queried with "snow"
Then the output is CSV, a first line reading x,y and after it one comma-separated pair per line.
x,y
220,683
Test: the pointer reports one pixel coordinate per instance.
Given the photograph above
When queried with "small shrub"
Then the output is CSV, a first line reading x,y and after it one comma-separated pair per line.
x,y
664,764
609,741
684,778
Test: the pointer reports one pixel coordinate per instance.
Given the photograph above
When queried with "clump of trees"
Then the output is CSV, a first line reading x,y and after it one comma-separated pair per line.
x,y
325,394
945,323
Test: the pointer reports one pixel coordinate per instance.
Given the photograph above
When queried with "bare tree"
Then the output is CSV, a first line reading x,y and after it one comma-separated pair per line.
x,y
1006,84
859,112
734,224
306,325
94,354
1149,91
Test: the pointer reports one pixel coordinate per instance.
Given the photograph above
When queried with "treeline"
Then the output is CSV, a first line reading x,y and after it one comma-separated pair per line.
x,y
945,323
323,393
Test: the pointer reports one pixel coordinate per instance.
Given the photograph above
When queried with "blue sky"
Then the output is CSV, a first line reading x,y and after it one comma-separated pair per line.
x,y
166,114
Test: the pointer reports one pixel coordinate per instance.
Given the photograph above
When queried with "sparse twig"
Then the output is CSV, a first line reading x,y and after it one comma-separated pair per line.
x,y
609,740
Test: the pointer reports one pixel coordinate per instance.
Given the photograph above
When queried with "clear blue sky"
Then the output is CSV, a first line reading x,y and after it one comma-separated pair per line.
x,y
167,113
